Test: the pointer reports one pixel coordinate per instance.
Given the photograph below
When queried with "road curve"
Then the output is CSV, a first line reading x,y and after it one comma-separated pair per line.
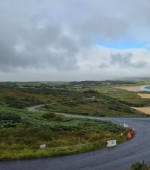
x,y
116,158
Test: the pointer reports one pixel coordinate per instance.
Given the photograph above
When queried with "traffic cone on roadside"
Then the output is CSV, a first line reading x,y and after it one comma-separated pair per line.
x,y
129,135
133,132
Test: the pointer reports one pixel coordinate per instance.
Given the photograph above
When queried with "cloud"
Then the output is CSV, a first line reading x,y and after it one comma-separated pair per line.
x,y
56,38
103,27
39,47
125,60
103,65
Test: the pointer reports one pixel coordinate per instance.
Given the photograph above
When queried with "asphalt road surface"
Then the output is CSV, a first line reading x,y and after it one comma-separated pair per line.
x,y
116,158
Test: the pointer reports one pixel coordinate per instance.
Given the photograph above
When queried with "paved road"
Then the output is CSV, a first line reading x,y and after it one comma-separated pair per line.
x,y
116,158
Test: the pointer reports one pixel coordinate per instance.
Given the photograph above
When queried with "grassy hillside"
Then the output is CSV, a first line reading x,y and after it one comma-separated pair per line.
x,y
130,98
23,132
17,99
126,97
86,102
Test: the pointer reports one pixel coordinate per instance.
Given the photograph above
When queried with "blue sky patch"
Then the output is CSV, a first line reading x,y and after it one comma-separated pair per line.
x,y
122,45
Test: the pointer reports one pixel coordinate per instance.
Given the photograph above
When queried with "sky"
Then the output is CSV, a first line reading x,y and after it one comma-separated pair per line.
x,y
74,40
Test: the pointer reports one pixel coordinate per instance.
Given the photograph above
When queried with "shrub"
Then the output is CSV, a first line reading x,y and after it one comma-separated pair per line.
x,y
48,115
11,117
59,118
90,91
46,106
45,134
139,166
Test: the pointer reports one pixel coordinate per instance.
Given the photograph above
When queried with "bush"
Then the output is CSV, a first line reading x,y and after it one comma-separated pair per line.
x,y
90,91
11,117
59,118
48,115
45,134
46,106
139,166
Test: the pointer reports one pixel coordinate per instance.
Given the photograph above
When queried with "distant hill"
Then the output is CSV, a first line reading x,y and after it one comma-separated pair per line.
x,y
135,78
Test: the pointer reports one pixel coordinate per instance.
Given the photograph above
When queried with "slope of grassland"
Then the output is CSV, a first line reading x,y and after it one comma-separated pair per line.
x,y
129,98
144,95
16,98
87,102
22,132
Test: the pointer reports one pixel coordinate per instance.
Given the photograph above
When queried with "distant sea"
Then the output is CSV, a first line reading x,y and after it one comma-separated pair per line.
x,y
146,88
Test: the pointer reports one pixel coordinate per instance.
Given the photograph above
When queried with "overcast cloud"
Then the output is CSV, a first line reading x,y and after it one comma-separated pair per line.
x,y
58,39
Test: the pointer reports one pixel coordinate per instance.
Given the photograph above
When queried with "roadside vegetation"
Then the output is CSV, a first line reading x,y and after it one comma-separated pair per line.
x,y
139,166
22,133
